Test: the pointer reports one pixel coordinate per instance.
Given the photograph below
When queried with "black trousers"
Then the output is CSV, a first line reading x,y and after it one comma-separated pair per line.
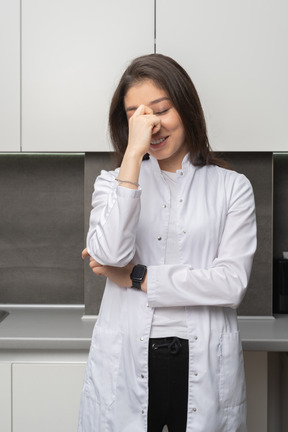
x,y
168,384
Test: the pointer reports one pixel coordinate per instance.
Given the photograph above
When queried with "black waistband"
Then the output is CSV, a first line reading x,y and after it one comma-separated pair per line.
x,y
173,344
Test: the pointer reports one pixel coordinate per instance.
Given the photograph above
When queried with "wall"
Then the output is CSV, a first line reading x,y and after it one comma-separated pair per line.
x,y
258,167
280,216
44,216
41,228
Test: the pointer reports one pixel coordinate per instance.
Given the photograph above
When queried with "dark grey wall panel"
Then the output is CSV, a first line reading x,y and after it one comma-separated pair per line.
x,y
41,228
42,207
94,285
258,168
280,204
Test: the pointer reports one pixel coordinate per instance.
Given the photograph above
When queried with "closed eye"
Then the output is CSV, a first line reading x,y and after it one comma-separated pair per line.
x,y
162,112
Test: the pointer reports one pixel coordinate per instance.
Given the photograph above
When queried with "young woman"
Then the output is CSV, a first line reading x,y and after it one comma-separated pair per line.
x,y
174,231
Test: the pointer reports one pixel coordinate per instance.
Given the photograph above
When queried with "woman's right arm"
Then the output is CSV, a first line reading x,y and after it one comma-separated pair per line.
x,y
116,203
113,221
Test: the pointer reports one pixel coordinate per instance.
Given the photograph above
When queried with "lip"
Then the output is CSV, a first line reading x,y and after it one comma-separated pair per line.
x,y
159,145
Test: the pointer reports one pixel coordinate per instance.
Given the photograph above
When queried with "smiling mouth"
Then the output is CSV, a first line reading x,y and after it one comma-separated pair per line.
x,y
158,141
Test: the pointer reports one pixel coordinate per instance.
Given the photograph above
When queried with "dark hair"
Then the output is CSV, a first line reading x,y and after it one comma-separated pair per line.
x,y
168,75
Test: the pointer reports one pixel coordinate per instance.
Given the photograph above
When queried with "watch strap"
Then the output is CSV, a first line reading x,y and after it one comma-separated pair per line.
x,y
136,285
137,275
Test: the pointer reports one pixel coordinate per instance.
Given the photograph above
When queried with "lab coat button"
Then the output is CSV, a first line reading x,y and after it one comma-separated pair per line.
x,y
141,338
159,238
196,337
184,232
142,376
143,412
194,409
164,206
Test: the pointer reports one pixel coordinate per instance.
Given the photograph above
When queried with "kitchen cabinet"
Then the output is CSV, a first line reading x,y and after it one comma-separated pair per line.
x,y
5,397
46,397
10,76
73,54
236,54
43,355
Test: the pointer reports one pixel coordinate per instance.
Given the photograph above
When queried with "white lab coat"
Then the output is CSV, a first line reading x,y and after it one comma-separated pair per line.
x,y
216,241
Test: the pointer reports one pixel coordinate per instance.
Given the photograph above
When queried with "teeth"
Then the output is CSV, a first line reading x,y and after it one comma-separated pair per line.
x,y
158,141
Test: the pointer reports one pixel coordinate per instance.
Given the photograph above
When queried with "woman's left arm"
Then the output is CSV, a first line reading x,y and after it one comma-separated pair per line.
x,y
225,281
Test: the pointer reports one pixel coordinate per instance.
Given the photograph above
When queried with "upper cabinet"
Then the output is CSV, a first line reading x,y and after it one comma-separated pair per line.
x,y
61,61
73,54
10,76
236,55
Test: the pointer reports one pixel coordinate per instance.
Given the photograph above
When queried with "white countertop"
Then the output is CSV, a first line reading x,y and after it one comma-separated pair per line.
x,y
63,327
45,327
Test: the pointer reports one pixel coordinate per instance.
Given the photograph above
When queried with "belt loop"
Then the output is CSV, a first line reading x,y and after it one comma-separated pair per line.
x,y
174,346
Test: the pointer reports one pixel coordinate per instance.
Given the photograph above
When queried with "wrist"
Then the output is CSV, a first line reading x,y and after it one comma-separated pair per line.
x,y
144,284
138,277
133,156
129,171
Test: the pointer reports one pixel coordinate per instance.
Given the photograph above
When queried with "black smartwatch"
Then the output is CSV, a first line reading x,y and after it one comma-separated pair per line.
x,y
138,275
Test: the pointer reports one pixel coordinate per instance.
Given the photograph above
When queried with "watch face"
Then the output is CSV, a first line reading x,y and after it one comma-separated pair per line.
x,y
138,272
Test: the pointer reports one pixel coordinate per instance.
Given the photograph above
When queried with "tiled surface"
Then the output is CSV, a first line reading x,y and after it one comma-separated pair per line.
x,y
280,204
43,211
41,228
94,286
258,168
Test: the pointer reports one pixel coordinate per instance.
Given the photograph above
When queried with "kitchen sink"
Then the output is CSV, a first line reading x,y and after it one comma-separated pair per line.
x,y
3,315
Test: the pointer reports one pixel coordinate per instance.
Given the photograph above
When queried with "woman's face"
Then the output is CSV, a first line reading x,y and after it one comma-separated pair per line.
x,y
168,145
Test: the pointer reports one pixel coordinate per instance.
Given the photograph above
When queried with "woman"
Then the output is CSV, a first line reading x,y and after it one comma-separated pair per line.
x,y
175,234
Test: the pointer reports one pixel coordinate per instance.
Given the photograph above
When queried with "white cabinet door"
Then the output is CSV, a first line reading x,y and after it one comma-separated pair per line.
x,y
10,76
73,54
5,397
46,397
256,370
236,54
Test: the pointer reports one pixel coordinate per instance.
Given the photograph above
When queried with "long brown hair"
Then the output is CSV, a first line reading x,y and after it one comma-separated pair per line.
x,y
168,75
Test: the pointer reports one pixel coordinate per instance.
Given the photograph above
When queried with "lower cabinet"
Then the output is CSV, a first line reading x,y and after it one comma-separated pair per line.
x,y
41,395
5,397
41,392
45,397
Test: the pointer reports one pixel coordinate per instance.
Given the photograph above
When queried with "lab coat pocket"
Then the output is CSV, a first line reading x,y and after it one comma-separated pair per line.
x,y
232,387
104,364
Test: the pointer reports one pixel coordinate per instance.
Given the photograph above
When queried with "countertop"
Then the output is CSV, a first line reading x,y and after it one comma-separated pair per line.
x,y
45,327
67,328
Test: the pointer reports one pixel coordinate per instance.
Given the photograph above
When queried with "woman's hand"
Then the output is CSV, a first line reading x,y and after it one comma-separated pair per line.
x,y
142,125
84,253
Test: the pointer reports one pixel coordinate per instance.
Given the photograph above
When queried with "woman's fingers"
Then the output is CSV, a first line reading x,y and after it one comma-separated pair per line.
x,y
143,110
142,125
85,253
94,263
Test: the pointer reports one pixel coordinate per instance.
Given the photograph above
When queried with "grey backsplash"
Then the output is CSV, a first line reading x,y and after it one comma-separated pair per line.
x,y
42,218
280,221
258,167
41,228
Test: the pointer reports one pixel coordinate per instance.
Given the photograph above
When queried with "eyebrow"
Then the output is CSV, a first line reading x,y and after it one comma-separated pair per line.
x,y
154,102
